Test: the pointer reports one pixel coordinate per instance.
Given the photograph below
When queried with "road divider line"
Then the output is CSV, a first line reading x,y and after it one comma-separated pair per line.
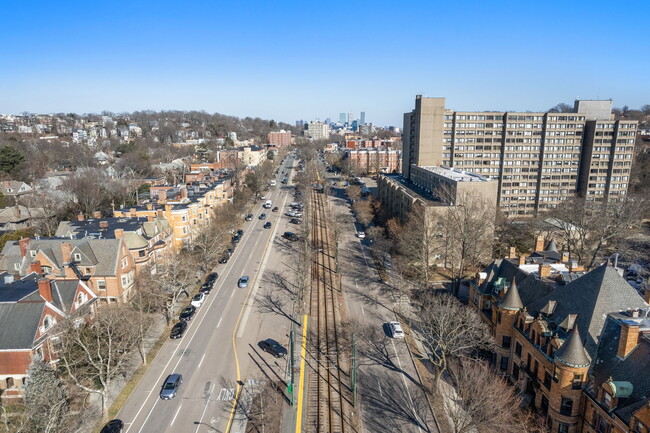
x,y
176,414
301,381
201,362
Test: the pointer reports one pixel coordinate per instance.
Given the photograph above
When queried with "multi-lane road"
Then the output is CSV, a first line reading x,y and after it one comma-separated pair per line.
x,y
216,352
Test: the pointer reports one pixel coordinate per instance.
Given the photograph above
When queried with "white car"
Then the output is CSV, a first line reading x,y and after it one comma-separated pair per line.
x,y
198,299
361,234
396,330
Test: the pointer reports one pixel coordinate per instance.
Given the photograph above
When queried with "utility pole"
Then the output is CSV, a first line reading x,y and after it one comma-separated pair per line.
x,y
353,374
291,366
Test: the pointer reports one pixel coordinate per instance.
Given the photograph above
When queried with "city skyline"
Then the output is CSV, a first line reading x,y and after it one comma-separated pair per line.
x,y
250,60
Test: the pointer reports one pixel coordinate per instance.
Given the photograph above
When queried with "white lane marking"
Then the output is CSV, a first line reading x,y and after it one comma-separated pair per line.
x,y
207,401
176,414
399,363
232,294
379,385
251,299
219,324
201,362
363,311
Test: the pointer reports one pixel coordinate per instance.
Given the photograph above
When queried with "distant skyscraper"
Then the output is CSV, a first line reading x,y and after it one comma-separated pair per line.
x,y
342,118
362,118
350,118
328,120
355,125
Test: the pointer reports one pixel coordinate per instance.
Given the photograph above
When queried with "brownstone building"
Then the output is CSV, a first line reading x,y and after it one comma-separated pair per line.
x,y
561,335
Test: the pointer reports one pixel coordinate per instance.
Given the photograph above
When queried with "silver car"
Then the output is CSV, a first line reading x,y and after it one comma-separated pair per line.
x,y
170,387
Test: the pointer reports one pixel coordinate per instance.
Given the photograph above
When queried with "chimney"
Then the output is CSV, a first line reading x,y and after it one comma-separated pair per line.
x,y
6,184
36,267
646,295
539,243
522,259
513,253
565,257
66,252
103,224
132,211
629,338
17,211
544,270
150,218
149,206
45,289
24,246
80,217
97,214
183,193
119,233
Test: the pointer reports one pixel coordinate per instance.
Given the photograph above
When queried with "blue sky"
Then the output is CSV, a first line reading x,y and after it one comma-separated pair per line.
x,y
291,60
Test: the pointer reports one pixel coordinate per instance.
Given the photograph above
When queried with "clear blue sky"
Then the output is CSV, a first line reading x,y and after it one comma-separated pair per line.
x,y
303,60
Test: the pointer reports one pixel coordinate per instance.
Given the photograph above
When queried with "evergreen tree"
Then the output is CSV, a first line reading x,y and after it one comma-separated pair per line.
x,y
10,157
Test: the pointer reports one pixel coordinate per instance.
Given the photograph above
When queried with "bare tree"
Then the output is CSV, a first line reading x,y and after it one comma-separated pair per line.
x,y
484,402
88,189
209,243
590,227
363,211
172,283
95,353
46,401
450,330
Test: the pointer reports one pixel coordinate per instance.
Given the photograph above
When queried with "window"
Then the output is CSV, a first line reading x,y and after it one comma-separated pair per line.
x,y
506,342
562,427
518,349
77,257
101,284
476,298
577,381
607,399
504,363
81,298
566,407
547,379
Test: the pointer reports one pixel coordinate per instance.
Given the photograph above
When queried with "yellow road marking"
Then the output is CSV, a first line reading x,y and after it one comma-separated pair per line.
x,y
234,346
303,355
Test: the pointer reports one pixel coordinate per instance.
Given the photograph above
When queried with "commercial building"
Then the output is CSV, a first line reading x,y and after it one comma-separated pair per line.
x,y
538,158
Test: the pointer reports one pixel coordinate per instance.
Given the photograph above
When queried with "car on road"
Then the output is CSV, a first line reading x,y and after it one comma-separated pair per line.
x,y
198,299
275,209
178,330
206,288
396,330
361,234
113,426
170,386
267,225
212,277
290,236
187,313
229,252
243,282
223,260
262,216
295,221
263,198
273,347
235,239
240,233
267,204
249,217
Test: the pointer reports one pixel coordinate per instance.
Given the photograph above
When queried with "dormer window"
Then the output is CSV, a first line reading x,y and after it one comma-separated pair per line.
x,y
32,253
17,266
77,257
81,298
48,322
606,399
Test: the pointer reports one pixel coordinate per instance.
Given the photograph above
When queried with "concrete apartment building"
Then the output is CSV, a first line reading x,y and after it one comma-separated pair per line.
x,y
317,130
539,159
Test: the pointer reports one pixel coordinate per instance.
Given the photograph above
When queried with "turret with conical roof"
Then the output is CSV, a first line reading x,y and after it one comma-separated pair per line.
x,y
512,300
573,352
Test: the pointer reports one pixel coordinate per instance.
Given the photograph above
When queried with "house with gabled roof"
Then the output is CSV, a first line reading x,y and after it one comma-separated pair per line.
x,y
104,265
30,308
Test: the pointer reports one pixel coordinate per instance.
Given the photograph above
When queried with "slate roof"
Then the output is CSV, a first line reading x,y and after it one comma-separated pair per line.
x,y
19,323
512,301
634,368
591,298
550,252
572,352
501,272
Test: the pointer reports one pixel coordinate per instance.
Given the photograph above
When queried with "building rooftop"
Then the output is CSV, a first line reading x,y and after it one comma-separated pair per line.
x,y
455,174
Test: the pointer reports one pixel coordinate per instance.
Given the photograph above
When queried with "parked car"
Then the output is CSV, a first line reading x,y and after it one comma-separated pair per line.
x,y
170,386
223,260
396,330
178,330
249,217
262,216
206,288
273,347
212,277
267,225
235,239
229,252
295,221
240,233
291,214
187,313
275,209
361,234
113,426
198,299
243,282
290,236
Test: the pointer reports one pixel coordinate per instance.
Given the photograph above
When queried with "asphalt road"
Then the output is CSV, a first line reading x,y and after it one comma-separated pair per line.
x,y
219,346
389,390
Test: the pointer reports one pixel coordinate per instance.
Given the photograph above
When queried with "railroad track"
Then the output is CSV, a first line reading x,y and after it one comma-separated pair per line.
x,y
329,405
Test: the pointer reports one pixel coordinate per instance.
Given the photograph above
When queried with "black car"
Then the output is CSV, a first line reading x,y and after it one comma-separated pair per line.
x,y
206,288
290,236
223,260
240,233
295,221
211,278
228,252
113,426
275,209
273,347
178,330
249,217
187,313
267,225
262,216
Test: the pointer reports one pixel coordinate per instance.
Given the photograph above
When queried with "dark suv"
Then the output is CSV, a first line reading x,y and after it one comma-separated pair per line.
x,y
113,426
273,347
178,330
187,313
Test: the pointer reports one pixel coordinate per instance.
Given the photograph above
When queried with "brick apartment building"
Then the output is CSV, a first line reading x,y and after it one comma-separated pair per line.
x,y
577,343
280,138
373,160
538,158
